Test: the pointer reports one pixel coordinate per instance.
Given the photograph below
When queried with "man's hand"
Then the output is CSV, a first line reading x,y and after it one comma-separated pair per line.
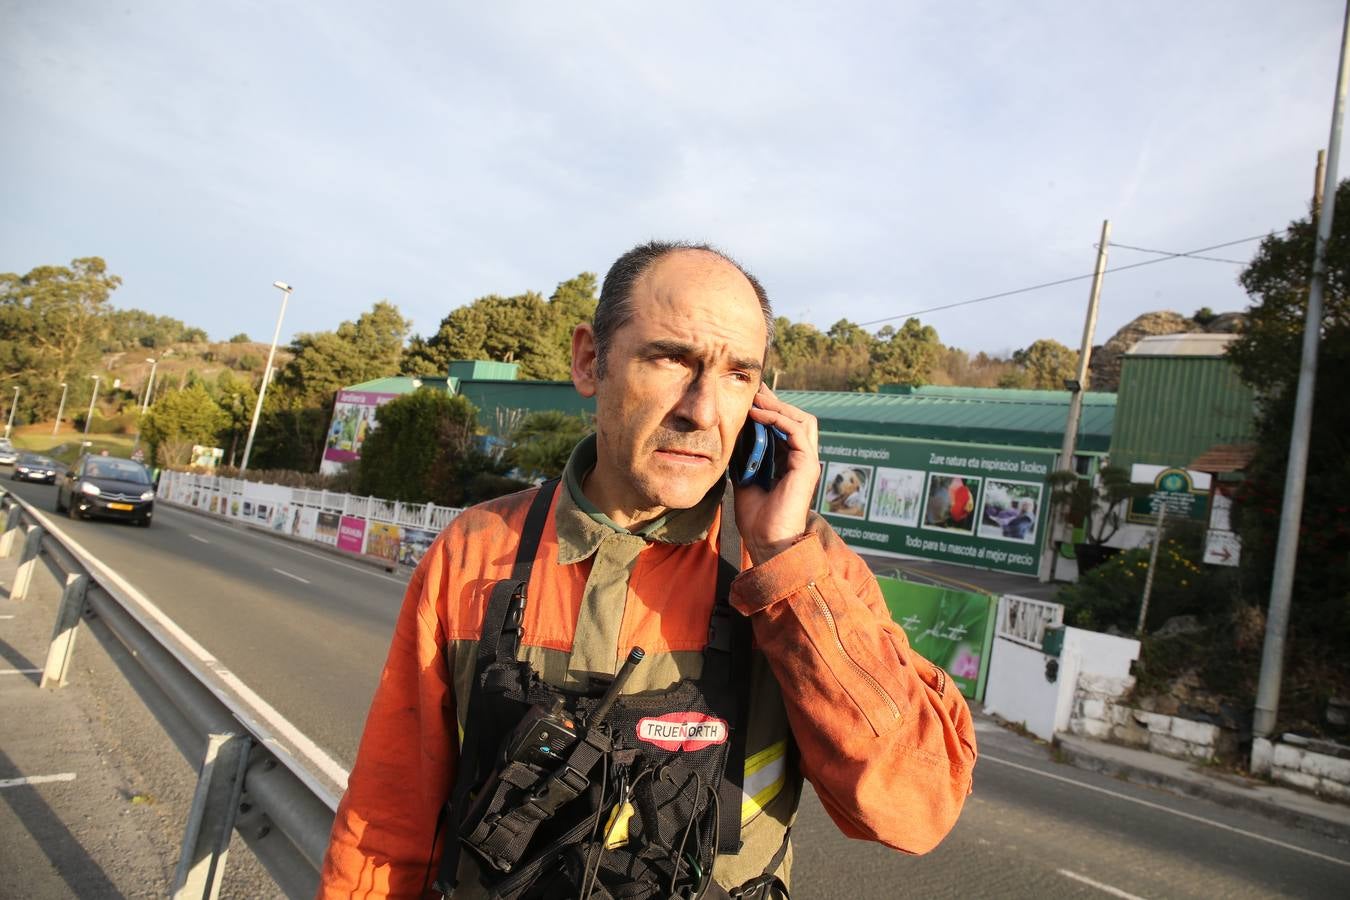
x,y
772,521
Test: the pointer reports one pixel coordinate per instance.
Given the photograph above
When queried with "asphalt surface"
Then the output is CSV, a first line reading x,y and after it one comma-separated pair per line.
x,y
309,632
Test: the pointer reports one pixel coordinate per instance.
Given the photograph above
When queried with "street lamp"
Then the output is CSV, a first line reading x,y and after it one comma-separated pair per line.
x,y
89,415
61,407
12,406
267,372
149,385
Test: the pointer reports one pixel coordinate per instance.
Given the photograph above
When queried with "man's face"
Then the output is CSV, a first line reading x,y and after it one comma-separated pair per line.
x,y
679,380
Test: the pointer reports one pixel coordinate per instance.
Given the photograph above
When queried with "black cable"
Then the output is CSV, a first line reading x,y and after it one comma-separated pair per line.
x,y
1217,259
1058,282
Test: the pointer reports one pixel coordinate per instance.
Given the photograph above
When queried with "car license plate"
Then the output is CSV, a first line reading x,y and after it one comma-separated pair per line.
x,y
120,506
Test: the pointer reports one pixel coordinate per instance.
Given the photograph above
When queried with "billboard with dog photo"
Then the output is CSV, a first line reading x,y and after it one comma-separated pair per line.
x,y
974,504
846,490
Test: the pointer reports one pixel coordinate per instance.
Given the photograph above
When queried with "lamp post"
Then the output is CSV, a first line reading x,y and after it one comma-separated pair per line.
x,y
9,426
61,407
89,415
267,372
149,385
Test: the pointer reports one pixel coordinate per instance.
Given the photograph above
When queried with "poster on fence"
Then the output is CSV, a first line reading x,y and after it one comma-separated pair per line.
x,y
382,540
305,522
351,534
952,629
974,504
415,543
326,527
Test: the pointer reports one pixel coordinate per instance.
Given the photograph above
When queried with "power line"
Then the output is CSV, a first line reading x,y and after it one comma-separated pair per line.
x,y
1217,259
1058,282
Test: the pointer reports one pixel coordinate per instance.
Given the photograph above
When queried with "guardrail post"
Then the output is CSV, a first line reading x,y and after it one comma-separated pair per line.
x,y
23,576
11,529
206,840
63,635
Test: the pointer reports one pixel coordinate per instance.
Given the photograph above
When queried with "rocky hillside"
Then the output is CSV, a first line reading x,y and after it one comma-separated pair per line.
x,y
1105,365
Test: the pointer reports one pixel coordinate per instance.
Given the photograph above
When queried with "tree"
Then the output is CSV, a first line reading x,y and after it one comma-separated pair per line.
x,y
241,338
906,356
1045,365
52,322
426,450
180,419
543,441
1268,356
526,328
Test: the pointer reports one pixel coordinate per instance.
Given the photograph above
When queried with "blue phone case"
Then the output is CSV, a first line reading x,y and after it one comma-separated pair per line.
x,y
760,455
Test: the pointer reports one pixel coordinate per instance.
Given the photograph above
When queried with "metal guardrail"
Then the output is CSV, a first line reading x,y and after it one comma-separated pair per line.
x,y
258,775
1024,621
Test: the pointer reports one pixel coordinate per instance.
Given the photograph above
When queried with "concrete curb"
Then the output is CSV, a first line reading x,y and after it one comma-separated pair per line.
x,y
1178,777
375,562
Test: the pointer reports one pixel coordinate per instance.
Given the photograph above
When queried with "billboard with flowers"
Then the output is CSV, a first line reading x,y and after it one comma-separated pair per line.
x,y
953,629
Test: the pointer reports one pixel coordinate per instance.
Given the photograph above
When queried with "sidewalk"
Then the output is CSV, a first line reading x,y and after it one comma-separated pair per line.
x,y
93,793
1228,789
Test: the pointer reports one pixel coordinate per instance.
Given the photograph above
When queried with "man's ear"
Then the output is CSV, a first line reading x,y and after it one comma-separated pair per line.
x,y
584,359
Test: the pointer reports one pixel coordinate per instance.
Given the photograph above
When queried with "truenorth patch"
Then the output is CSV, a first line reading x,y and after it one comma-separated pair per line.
x,y
682,731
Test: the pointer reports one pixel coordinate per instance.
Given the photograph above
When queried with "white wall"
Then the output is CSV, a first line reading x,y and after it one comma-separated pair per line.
x,y
1018,691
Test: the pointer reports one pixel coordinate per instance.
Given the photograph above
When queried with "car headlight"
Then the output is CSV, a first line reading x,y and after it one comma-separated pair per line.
x,y
51,473
90,489
23,470
148,495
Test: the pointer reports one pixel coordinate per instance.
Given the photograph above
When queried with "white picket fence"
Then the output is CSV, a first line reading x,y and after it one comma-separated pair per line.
x,y
1024,621
393,530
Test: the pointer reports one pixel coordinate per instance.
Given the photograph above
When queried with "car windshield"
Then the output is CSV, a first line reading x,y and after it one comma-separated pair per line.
x,y
45,461
118,470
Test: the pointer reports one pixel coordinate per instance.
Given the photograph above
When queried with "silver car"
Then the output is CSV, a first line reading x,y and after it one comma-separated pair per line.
x,y
8,455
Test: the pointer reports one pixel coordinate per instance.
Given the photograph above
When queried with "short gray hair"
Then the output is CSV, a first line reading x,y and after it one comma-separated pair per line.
x,y
615,307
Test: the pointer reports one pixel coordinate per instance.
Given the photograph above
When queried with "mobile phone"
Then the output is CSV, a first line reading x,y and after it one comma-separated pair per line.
x,y
760,456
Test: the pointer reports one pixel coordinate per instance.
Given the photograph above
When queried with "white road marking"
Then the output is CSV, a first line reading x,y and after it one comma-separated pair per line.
x,y
258,714
20,671
36,779
289,575
200,540
1161,808
322,557
1105,888
6,617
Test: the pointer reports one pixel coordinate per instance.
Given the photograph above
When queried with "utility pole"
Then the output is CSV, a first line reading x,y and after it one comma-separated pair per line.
x,y
1076,389
1286,549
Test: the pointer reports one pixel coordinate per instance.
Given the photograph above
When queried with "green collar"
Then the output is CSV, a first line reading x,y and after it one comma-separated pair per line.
x,y
582,526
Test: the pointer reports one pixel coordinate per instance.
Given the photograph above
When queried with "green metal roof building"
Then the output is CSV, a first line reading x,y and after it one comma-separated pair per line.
x,y
1179,397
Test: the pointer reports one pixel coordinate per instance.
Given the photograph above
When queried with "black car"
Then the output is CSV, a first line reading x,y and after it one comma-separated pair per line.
x,y
107,486
32,467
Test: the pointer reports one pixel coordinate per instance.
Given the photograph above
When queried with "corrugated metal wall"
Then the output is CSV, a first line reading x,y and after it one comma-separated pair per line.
x,y
1170,409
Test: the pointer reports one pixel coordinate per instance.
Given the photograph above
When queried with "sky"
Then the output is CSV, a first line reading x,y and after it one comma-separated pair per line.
x,y
865,160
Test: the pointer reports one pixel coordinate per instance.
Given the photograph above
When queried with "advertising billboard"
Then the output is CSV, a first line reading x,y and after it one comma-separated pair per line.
x,y
382,540
953,629
351,534
353,420
972,504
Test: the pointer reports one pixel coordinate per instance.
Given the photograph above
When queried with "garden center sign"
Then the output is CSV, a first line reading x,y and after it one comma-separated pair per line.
x,y
978,505
1184,493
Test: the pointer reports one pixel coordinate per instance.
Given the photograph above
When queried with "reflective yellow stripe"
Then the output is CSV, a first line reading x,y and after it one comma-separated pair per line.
x,y
764,776
757,761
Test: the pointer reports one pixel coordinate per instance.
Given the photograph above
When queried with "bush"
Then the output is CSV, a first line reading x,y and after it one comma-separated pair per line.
x,y
1110,595
122,423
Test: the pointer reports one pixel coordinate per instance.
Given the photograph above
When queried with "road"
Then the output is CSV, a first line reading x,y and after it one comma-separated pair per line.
x,y
309,631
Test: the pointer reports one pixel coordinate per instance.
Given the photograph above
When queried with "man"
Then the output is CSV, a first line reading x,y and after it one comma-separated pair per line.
x,y
628,557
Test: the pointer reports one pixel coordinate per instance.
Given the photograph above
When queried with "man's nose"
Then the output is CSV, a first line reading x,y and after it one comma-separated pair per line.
x,y
698,404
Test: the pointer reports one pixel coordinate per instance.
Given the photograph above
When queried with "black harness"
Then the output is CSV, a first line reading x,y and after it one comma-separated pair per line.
x,y
564,794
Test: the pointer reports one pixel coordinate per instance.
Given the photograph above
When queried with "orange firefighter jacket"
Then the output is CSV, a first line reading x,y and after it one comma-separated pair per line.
x,y
838,696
